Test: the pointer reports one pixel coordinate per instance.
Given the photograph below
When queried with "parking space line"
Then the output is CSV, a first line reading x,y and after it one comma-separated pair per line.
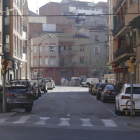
x,y
23,119
86,122
108,123
112,112
42,120
64,122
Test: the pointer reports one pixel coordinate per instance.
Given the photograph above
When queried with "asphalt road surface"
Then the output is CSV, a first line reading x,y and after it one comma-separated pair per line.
x,y
67,113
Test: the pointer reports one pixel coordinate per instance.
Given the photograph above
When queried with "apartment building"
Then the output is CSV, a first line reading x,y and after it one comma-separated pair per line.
x,y
1,27
125,33
13,34
61,55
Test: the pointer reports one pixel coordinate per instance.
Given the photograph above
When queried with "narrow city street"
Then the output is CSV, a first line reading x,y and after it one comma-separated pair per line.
x,y
66,113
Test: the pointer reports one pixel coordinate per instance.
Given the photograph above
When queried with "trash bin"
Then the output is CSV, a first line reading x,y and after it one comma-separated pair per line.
x,y
75,81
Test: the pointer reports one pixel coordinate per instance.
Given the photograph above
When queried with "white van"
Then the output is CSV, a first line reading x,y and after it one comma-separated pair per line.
x,y
90,81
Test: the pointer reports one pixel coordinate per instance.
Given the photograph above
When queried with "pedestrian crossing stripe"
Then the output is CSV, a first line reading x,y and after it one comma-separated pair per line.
x,y
85,122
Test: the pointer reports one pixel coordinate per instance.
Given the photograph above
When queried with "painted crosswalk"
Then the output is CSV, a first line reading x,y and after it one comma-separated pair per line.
x,y
61,122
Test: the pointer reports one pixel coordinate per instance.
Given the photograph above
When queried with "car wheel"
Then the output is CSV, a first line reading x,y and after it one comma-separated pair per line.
x,y
97,97
116,111
104,100
45,90
37,96
119,112
28,109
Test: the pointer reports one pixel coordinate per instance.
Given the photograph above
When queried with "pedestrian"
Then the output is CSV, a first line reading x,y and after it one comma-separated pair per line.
x,y
106,81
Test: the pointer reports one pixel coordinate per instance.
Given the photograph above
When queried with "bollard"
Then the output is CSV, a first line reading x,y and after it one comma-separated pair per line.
x,y
126,112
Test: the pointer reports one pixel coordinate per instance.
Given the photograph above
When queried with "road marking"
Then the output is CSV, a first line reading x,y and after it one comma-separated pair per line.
x,y
64,122
42,120
3,120
40,98
108,123
23,119
112,112
86,122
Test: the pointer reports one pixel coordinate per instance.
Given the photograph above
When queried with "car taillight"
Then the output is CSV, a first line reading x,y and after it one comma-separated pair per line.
x,y
95,88
126,97
107,92
9,94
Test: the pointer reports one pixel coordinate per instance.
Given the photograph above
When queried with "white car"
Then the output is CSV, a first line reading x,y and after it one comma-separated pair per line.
x,y
49,82
90,81
124,96
53,83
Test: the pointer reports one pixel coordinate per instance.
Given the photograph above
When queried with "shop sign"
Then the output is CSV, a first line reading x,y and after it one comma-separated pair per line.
x,y
9,64
120,70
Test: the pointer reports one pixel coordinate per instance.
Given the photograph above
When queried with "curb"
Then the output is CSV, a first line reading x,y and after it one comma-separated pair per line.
x,y
133,125
6,115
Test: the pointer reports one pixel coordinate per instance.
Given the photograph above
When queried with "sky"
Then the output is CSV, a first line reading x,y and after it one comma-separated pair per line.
x,y
33,3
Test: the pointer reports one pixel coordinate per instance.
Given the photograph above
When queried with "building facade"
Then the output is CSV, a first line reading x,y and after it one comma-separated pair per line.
x,y
125,39
14,37
1,28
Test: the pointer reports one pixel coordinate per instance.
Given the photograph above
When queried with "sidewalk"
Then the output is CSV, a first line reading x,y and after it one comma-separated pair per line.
x,y
7,115
130,121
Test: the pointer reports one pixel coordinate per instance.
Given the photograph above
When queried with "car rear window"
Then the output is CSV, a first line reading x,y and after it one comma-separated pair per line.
x,y
48,80
17,89
136,90
103,85
97,85
110,87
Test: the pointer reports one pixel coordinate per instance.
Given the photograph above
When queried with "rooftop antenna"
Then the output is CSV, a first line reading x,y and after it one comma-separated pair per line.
x,y
37,7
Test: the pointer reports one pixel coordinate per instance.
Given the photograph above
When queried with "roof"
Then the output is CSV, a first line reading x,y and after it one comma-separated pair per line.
x,y
31,13
101,4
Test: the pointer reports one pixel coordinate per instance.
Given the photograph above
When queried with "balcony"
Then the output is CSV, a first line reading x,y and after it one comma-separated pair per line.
x,y
119,27
123,50
65,52
118,5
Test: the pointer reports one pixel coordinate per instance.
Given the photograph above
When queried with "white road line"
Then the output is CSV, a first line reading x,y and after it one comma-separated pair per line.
x,y
86,122
23,119
64,122
3,120
108,123
42,120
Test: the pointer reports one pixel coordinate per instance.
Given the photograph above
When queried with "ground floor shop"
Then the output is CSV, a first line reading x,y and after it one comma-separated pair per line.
x,y
56,73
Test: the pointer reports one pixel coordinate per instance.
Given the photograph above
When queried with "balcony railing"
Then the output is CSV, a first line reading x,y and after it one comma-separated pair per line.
x,y
123,50
118,5
119,27
64,52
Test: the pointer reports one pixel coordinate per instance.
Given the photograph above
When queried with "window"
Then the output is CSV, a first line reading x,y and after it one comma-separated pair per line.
x,y
97,49
63,73
52,48
81,48
46,61
40,48
7,39
52,61
69,48
34,61
133,2
96,38
34,48
40,61
69,60
81,60
46,48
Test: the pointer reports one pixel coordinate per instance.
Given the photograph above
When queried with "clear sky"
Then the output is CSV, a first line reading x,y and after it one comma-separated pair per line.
x,y
33,3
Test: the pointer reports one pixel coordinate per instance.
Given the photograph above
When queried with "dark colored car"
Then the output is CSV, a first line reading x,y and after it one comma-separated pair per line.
x,y
95,88
17,96
110,92
100,89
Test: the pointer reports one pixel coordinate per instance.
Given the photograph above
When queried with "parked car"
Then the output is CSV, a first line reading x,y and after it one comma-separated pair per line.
x,y
90,81
100,89
17,96
36,84
34,91
95,88
49,82
110,92
43,84
124,96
